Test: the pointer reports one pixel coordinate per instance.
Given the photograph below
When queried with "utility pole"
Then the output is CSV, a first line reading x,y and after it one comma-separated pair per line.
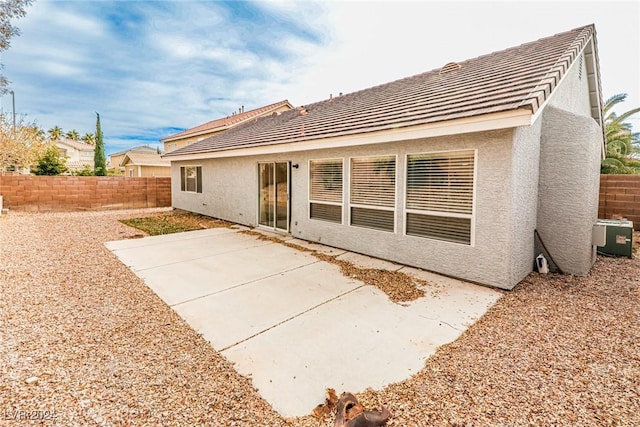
x,y
13,98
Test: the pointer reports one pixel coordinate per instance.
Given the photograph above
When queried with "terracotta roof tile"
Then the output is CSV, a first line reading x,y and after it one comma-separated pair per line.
x,y
521,77
139,148
75,144
227,122
144,159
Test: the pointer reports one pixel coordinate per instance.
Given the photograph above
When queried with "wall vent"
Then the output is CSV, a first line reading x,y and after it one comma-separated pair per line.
x,y
580,67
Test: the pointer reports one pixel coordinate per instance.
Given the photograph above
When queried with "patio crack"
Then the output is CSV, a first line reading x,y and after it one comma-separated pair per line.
x,y
292,317
244,283
441,321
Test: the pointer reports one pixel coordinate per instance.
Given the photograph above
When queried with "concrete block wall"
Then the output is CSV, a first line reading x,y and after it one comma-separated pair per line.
x,y
70,193
620,197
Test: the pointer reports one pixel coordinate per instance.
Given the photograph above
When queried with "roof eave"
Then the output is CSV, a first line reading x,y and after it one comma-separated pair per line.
x,y
180,136
485,122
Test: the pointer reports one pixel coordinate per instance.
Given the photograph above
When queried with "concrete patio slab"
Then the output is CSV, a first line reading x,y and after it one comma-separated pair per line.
x,y
178,282
144,254
259,305
295,324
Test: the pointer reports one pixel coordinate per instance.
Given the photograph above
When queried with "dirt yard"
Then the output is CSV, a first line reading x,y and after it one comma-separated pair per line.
x,y
85,343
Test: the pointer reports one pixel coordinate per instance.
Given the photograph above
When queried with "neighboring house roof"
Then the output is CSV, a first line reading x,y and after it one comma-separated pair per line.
x,y
517,80
139,148
227,122
79,164
80,146
144,159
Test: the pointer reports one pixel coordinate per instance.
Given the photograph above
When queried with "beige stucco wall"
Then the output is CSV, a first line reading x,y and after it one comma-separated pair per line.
x,y
131,171
155,171
146,171
230,188
116,160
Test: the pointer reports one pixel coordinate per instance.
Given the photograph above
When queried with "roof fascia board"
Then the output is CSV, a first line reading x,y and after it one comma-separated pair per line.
x,y
596,82
551,95
485,122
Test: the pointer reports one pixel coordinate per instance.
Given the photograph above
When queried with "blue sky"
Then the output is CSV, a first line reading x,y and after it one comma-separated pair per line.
x,y
152,68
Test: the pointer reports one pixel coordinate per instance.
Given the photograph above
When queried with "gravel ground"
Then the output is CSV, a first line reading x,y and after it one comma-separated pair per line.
x,y
84,340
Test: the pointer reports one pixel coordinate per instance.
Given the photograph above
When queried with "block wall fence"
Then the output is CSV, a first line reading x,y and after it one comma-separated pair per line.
x,y
73,193
619,194
620,197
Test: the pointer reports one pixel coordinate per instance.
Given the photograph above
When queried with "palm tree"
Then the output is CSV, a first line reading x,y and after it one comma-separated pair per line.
x,y
73,135
55,133
38,132
89,138
623,145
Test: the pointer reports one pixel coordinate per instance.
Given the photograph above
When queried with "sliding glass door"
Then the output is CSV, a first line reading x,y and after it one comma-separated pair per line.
x,y
273,207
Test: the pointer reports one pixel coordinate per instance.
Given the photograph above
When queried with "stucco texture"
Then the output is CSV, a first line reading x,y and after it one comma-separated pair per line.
x,y
569,184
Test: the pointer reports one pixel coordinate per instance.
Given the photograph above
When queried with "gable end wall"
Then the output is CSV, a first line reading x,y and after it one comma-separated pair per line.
x,y
571,144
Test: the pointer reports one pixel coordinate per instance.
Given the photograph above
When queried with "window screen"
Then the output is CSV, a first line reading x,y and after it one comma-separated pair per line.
x,y
373,192
439,199
325,190
191,179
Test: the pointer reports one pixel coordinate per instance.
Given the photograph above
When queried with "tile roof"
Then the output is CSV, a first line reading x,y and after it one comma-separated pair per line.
x,y
521,77
144,159
227,122
79,164
81,146
140,148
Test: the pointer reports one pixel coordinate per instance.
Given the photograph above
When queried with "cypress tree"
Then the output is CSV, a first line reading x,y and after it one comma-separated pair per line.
x,y
99,159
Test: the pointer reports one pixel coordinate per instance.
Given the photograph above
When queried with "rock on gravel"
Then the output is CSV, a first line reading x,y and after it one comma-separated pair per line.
x,y
557,350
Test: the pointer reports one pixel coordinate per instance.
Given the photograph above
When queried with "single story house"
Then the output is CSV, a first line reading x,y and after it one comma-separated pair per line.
x,y
78,154
116,159
138,164
452,170
213,127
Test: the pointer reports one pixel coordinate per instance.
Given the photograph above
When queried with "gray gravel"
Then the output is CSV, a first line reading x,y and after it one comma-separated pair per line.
x,y
84,340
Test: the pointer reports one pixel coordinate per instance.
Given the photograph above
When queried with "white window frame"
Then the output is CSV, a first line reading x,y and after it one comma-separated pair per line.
x,y
472,217
185,184
383,208
310,200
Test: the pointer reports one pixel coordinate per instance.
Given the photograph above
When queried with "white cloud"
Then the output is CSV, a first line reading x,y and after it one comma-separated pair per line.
x,y
146,66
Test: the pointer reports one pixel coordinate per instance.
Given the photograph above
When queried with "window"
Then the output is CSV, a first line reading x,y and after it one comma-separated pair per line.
x,y
439,199
191,179
130,172
325,190
171,147
373,192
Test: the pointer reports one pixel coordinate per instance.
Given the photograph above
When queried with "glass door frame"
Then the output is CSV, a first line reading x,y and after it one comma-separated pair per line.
x,y
273,224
